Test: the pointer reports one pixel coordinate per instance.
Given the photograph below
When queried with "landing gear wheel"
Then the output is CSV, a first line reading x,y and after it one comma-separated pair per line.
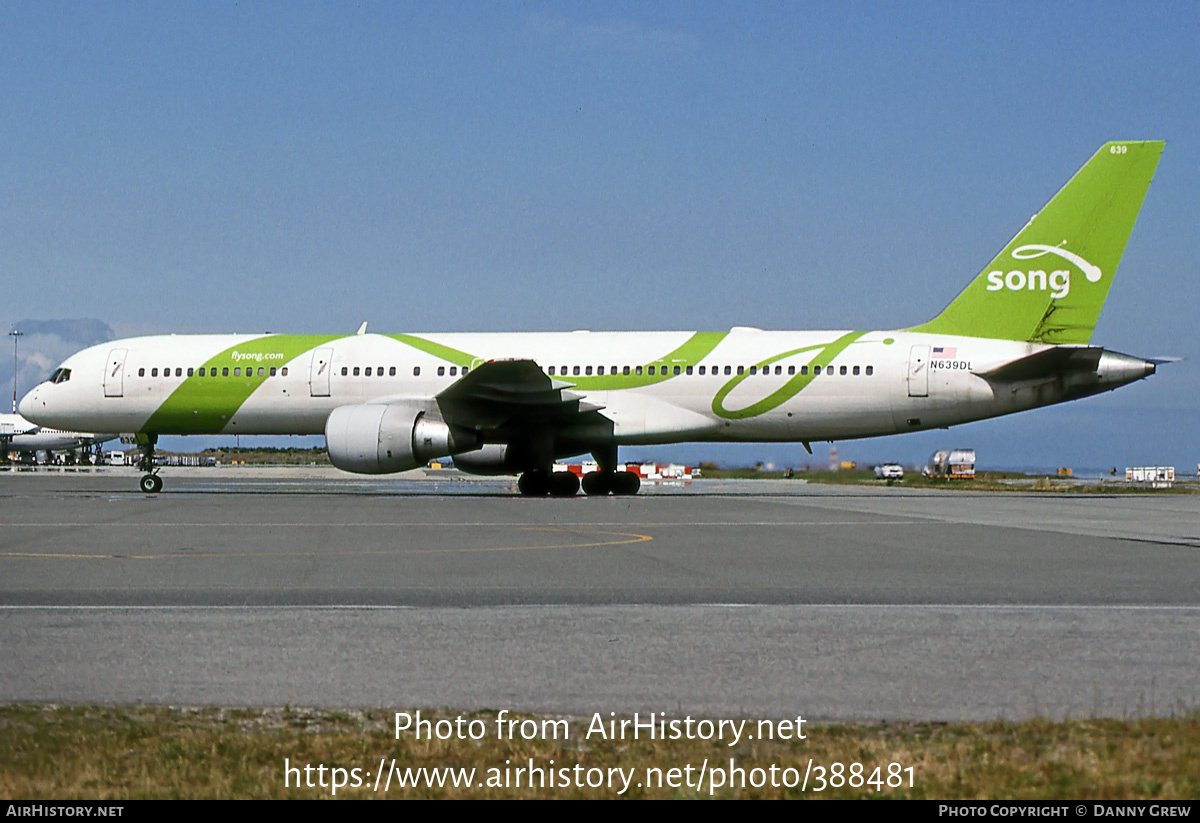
x,y
151,483
626,483
564,484
534,484
597,483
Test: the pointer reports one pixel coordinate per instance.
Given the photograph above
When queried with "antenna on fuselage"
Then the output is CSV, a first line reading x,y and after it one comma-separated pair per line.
x,y
362,329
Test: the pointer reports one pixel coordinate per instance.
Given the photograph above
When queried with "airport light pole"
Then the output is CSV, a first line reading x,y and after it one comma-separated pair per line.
x,y
14,334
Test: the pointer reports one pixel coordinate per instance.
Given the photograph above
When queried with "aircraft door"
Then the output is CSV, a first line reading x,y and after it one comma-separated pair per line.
x,y
318,373
918,371
114,373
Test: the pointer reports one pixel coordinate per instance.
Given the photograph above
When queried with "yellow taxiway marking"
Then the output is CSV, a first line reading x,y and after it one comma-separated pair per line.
x,y
622,538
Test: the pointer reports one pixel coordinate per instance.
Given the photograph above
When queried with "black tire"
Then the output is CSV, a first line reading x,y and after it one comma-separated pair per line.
x,y
564,484
597,483
151,483
626,483
533,484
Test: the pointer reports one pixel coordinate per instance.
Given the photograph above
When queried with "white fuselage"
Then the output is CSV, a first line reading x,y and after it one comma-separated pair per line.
x,y
743,385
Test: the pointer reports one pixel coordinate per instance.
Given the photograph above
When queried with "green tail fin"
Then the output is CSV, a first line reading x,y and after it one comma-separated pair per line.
x,y
1049,283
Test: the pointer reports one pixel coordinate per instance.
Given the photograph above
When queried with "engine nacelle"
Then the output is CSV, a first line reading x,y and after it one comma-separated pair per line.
x,y
375,438
494,458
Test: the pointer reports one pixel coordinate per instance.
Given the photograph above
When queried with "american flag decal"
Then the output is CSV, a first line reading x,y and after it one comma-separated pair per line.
x,y
945,352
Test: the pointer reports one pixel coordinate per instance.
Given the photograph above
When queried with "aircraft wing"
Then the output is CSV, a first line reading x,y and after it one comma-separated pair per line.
x,y
512,393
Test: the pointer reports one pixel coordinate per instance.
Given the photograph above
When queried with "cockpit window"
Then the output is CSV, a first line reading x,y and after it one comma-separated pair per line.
x,y
60,375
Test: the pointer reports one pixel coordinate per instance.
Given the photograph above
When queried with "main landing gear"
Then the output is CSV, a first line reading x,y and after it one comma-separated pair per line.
x,y
150,483
566,484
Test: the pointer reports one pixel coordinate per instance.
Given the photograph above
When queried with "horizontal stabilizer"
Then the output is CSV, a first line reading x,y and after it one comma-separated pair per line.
x,y
1047,363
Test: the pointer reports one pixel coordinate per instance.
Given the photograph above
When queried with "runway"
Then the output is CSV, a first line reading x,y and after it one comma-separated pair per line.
x,y
761,598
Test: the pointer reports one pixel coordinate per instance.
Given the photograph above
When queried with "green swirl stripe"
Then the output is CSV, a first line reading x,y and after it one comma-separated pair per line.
x,y
788,390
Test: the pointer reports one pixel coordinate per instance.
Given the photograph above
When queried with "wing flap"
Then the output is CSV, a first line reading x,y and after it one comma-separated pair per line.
x,y
511,392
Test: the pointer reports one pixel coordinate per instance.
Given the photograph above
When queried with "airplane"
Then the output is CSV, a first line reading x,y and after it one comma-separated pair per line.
x,y
23,437
1018,337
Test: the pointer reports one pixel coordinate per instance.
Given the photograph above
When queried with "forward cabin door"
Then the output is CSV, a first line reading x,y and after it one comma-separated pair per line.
x,y
318,374
918,372
114,373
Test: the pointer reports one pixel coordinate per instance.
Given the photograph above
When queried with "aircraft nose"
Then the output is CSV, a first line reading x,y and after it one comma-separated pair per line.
x,y
29,405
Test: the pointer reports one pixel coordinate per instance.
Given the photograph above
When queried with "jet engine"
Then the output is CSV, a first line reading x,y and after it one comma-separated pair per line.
x,y
492,459
377,438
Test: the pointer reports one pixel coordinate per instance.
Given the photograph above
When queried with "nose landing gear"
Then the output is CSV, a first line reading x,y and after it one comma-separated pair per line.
x,y
150,483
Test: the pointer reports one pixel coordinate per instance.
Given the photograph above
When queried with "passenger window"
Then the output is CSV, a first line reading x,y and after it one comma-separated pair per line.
x,y
625,370
816,369
392,371
224,371
842,370
650,370
273,370
179,371
575,370
356,371
599,370
779,369
856,369
587,370
367,372
613,370
465,370
870,369
791,370
689,369
190,371
154,372
637,370
141,372
237,372
454,371
804,369
676,370
441,371
345,371
283,371
741,369
729,369
701,370
200,371
416,371
260,371
551,371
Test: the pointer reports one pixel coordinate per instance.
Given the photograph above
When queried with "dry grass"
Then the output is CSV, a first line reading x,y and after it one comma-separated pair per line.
x,y
156,752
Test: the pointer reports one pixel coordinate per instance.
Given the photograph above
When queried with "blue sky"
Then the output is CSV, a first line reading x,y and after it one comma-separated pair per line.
x,y
214,167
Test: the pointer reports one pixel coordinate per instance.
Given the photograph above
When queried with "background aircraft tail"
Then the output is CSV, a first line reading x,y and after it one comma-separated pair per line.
x,y
1049,283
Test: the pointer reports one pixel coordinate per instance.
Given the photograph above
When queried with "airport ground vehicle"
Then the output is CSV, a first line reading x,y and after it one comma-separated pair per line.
x,y
1017,337
952,464
889,471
